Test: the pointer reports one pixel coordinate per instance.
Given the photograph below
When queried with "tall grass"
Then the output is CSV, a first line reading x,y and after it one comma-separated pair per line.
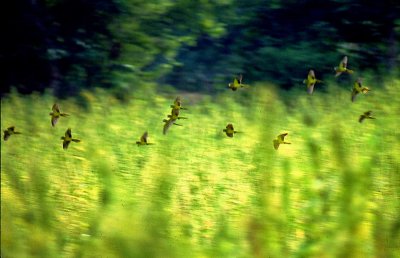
x,y
334,192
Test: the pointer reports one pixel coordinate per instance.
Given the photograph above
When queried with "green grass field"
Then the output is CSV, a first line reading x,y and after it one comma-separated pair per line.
x,y
334,192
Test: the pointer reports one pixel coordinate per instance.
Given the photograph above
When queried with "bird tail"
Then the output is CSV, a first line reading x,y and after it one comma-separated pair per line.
x,y
75,140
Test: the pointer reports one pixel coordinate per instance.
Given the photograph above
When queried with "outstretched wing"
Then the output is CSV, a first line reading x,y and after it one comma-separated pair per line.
x,y
310,88
276,144
343,63
68,133
167,125
144,137
56,108
54,120
362,117
282,136
65,144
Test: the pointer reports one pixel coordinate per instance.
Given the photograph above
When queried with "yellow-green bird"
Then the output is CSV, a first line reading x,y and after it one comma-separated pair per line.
x,y
56,114
168,124
311,81
229,130
143,139
358,88
178,104
10,131
68,138
237,83
366,115
175,114
280,140
342,67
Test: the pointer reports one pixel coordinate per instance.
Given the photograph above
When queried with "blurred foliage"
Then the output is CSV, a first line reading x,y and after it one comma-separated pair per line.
x,y
69,45
334,192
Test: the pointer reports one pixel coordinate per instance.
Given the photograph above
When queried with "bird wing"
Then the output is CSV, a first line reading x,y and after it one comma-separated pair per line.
x,y
343,63
56,108
11,128
65,144
240,78
276,144
167,125
54,120
368,113
310,88
6,135
354,94
68,133
144,137
362,117
282,136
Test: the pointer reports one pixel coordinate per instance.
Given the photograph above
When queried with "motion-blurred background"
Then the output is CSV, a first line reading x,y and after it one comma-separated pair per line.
x,y
116,66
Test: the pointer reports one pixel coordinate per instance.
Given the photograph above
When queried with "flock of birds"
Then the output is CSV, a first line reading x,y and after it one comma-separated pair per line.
x,y
237,83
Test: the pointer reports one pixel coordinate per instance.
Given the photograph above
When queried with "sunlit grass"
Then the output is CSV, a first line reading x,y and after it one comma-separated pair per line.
x,y
334,192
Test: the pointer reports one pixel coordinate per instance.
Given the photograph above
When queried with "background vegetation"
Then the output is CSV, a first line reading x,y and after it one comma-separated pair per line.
x,y
115,66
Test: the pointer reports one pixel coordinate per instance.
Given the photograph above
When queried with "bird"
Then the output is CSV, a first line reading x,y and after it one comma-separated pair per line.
x,y
358,88
311,81
10,131
175,114
143,140
237,83
168,124
68,138
229,130
55,115
366,115
342,67
177,104
280,140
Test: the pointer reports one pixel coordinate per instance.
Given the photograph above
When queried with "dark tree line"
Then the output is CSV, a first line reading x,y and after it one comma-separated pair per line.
x,y
68,45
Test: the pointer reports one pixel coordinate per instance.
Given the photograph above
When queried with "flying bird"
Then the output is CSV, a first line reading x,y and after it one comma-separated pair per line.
x,y
229,130
342,67
311,81
358,88
143,139
55,115
237,83
68,138
177,104
366,115
10,131
280,140
175,114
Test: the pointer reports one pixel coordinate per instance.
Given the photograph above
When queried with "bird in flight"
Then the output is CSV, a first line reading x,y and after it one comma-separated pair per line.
x,y
237,83
229,130
143,139
178,104
55,115
342,67
10,131
68,138
311,81
366,115
358,88
280,140
175,114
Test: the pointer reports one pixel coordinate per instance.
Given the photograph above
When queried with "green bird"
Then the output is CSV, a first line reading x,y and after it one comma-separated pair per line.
x,y
56,114
358,88
178,104
175,114
366,115
143,140
280,140
168,124
342,67
237,83
68,138
10,131
229,130
311,81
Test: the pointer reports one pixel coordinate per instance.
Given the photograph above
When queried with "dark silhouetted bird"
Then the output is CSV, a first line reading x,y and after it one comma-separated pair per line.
x,y
10,131
143,140
230,131
178,104
366,115
280,140
68,138
237,83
